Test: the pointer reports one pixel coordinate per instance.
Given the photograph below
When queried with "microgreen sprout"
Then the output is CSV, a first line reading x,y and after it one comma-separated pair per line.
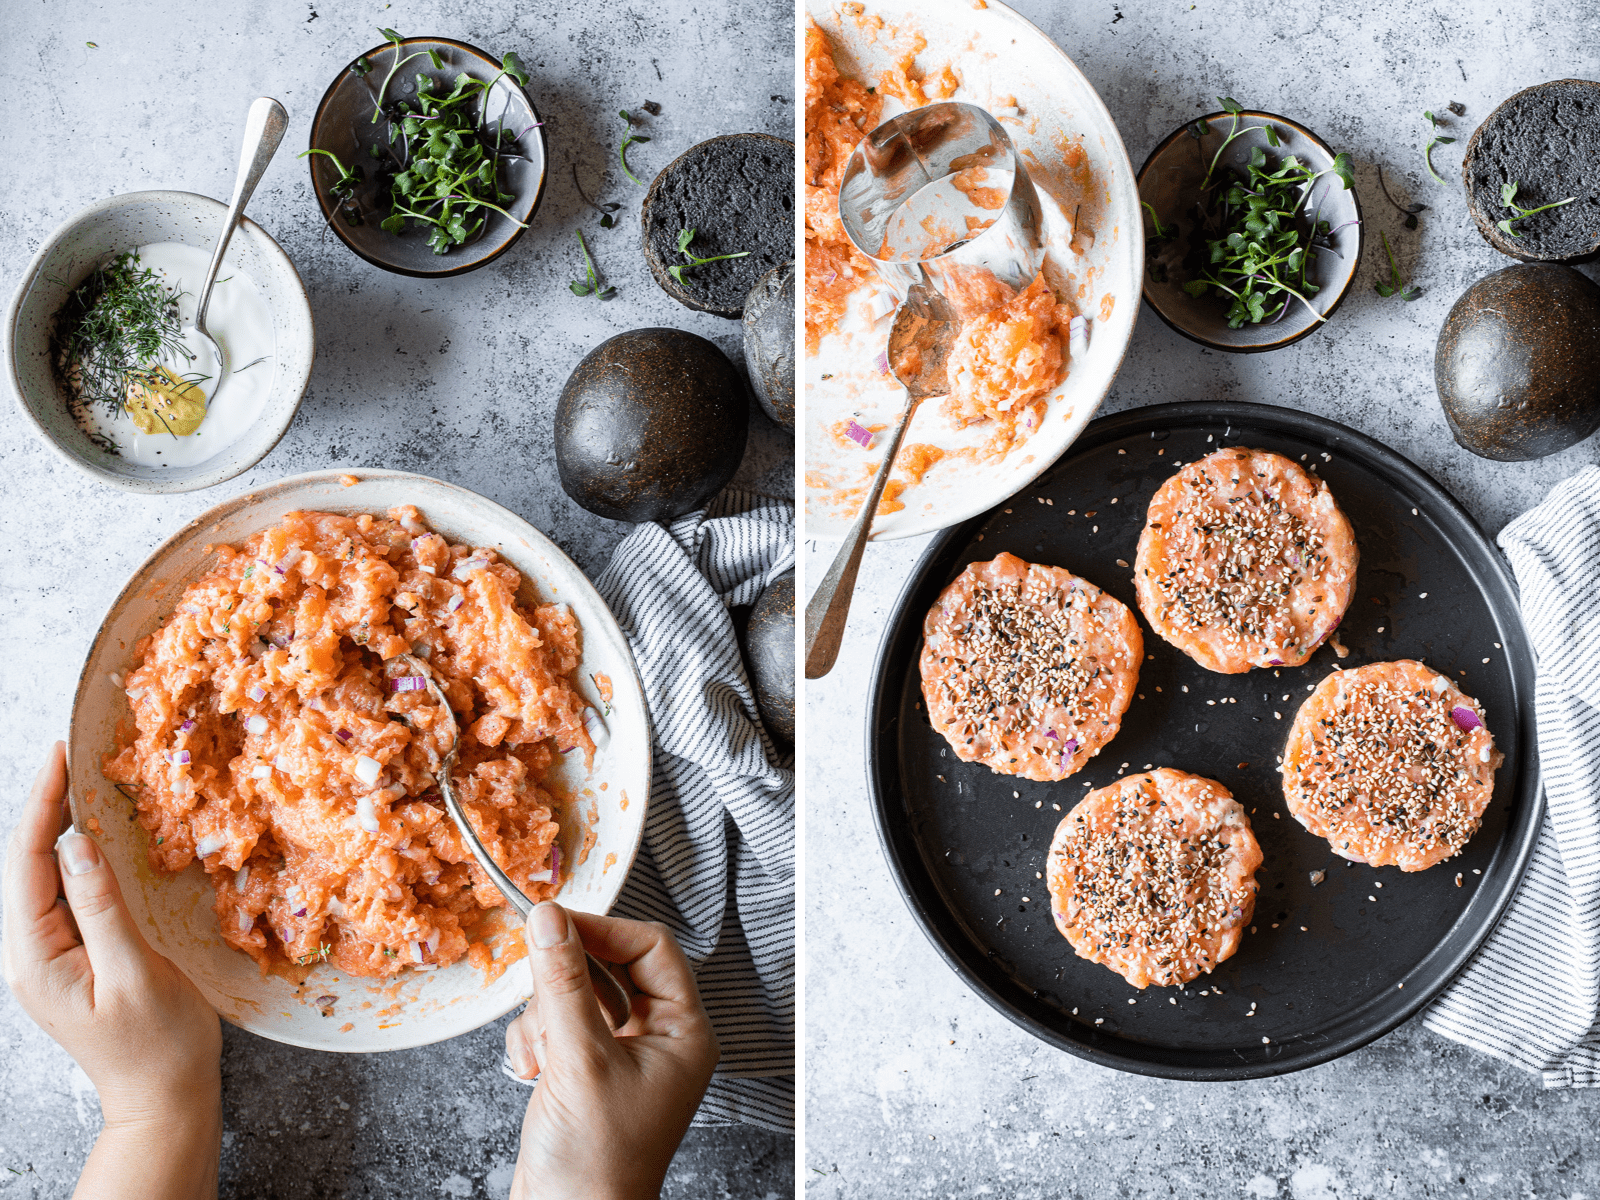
x,y
1160,230
1434,139
606,211
685,236
1395,284
1410,211
1233,108
629,138
590,284
1508,196
399,45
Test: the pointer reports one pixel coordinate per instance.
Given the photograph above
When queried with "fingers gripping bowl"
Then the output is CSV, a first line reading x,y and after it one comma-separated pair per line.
x,y
339,1005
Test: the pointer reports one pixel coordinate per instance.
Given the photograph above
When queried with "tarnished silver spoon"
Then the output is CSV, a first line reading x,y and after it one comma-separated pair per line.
x,y
611,994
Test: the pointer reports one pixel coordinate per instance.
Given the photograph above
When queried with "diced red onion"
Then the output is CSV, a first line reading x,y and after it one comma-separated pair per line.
x,y
255,723
598,733
366,815
241,878
412,525
209,845
1071,747
342,734
858,435
467,565
246,922
257,693
1274,662
186,727
880,305
416,952
1078,337
282,763
261,771
336,906
883,363
555,863
178,757
453,603
327,999
1465,718
115,678
1051,733
300,912
287,561
278,640
368,769
408,683
433,942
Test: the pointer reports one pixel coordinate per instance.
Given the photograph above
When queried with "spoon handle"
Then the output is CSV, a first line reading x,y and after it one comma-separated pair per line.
x,y
263,130
829,605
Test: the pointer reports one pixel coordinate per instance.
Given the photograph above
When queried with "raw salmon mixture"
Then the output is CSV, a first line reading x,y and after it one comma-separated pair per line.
x,y
1245,561
1392,763
274,745
1028,669
1154,876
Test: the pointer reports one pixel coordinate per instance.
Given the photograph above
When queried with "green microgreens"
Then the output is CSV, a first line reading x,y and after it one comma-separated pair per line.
x,y
1508,196
1266,245
629,138
606,211
1434,139
343,189
399,45
113,328
1161,231
1395,283
1410,211
685,236
590,284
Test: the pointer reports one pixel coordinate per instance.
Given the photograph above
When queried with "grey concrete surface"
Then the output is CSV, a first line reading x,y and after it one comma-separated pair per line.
x,y
915,1087
456,379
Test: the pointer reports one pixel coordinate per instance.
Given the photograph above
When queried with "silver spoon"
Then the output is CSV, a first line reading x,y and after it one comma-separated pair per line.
x,y
919,349
611,994
263,130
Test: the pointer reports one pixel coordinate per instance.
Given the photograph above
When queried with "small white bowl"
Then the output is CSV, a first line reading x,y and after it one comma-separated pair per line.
x,y
175,911
123,223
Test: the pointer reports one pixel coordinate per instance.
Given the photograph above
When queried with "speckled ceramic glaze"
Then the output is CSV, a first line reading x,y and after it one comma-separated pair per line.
x,y
175,911
343,125
1170,181
111,227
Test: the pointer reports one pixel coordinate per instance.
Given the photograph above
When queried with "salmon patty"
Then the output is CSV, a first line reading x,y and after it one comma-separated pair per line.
x,y
1245,561
1391,763
1154,876
1027,668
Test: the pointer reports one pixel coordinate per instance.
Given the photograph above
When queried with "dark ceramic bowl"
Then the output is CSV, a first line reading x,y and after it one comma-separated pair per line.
x,y
343,125
1170,180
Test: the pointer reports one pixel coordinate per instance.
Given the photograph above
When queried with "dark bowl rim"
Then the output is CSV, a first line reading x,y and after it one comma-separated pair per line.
x,y
1361,235
328,213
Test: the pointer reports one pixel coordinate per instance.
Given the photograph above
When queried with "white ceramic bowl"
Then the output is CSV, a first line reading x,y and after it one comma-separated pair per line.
x,y
175,910
1010,68
123,223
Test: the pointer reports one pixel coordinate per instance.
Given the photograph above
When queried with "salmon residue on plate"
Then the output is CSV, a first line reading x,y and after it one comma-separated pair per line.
x,y
271,745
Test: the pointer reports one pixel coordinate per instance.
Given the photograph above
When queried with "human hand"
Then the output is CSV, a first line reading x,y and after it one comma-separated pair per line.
x,y
137,1026
610,1109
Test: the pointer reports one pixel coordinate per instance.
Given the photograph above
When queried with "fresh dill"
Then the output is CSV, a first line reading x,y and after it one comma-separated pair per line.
x,y
685,236
113,330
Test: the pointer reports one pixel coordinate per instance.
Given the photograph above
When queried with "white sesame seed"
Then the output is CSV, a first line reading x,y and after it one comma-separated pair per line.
x,y
1132,1001
1266,1041
1099,1020
1374,899
1038,803
1422,595
1486,660
997,891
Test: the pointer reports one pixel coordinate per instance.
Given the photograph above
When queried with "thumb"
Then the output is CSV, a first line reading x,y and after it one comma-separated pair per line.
x,y
93,894
573,1023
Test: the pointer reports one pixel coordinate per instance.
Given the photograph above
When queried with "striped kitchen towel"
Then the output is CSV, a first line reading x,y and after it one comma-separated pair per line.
x,y
718,860
1531,995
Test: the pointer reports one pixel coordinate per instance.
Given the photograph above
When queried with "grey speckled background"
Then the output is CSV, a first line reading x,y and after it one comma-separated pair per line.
x,y
915,1087
456,379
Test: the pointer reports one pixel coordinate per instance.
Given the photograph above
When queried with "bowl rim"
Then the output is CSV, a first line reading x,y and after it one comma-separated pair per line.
x,y
329,212
1361,234
152,564
129,483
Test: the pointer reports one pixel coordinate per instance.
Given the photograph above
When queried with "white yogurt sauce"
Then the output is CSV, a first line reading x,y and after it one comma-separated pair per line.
x,y
241,322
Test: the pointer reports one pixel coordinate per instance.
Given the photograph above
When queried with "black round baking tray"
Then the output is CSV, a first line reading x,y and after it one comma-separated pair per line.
x,y
1331,965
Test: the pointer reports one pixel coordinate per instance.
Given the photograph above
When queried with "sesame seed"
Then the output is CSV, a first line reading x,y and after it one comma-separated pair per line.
x,y
1486,660
1422,595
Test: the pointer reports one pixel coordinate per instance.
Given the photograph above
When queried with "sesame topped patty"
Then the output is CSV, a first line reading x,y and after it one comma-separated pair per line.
x,y
1154,876
1028,668
1391,763
1245,561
